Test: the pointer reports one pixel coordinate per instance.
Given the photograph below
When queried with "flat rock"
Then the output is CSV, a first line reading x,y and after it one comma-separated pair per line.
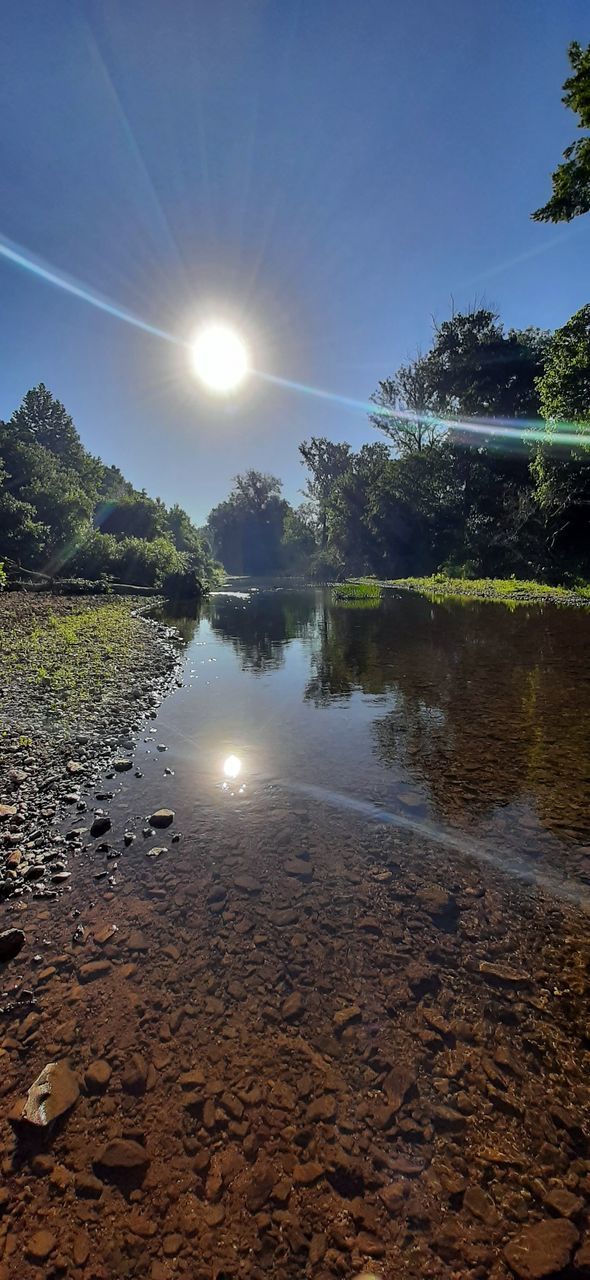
x,y
121,766
543,1249
503,973
11,942
7,811
299,869
397,1084
162,818
248,883
261,1183
292,1006
40,1245
51,1095
94,969
123,1155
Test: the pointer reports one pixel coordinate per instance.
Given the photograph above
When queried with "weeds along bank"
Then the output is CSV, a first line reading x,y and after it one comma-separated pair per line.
x,y
77,678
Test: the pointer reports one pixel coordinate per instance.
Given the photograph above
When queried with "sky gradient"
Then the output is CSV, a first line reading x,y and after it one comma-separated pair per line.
x,y
325,174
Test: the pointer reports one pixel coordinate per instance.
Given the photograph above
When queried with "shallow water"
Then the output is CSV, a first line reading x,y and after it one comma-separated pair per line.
x,y
463,717
343,1033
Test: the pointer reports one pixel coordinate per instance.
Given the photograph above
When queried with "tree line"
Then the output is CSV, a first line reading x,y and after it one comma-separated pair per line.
x,y
484,469
64,514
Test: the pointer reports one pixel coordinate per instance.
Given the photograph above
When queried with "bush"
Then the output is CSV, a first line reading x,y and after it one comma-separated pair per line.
x,y
2,576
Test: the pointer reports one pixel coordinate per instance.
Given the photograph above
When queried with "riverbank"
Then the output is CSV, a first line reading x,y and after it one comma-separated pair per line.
x,y
504,590
78,675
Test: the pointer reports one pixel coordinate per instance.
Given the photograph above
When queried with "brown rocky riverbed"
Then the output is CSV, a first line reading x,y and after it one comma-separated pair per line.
x,y
290,1041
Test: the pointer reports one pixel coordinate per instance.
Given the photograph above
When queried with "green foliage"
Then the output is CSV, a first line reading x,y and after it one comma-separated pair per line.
x,y
571,179
246,530
564,387
3,578
62,511
357,592
506,589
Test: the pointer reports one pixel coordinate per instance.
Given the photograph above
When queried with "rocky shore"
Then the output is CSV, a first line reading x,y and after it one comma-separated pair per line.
x,y
279,1049
78,677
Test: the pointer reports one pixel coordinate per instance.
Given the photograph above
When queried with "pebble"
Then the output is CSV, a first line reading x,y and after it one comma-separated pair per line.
x,y
11,942
40,1245
97,1076
162,818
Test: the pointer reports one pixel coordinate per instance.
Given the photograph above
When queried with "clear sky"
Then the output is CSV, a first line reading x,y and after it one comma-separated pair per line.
x,y
326,174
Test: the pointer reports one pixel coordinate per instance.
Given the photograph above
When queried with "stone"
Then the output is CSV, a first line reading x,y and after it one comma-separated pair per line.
x,y
261,1183
322,1108
248,884
11,942
87,1187
162,818
73,767
480,1205
121,766
94,969
137,941
97,1076
344,1017
564,1202
7,811
104,935
40,1245
503,973
101,824
299,869
306,1174
292,1006
397,1084
123,1155
134,1075
542,1249
80,1249
54,1091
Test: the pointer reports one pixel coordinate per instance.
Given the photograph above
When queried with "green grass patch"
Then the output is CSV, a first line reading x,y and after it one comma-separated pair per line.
x,y
505,590
357,592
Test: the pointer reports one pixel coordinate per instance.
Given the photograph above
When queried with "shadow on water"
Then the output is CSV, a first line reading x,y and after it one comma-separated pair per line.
x,y
468,715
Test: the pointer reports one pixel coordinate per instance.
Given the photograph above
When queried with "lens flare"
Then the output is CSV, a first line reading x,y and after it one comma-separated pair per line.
x,y
232,766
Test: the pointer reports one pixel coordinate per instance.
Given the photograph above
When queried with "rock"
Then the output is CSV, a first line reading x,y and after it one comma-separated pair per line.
x,y
542,1250
80,1249
87,1187
40,1245
300,869
11,942
94,969
137,941
261,1183
134,1076
97,1076
7,811
564,1202
322,1108
292,1006
344,1017
73,767
121,766
248,884
101,824
397,1084
162,818
123,1155
582,1257
51,1095
480,1205
306,1174
437,903
503,973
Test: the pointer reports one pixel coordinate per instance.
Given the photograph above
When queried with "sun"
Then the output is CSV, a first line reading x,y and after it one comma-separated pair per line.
x,y
219,358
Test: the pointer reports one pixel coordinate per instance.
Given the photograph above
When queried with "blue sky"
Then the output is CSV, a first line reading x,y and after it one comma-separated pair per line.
x,y
325,174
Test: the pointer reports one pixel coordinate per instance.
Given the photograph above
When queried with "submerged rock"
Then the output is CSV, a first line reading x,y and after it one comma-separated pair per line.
x,y
11,942
543,1249
51,1095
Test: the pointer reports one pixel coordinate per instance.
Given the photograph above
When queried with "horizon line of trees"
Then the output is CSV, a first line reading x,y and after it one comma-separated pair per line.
x,y
454,488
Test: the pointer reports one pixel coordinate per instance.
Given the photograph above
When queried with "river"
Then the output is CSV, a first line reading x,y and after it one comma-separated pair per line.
x,y
332,1017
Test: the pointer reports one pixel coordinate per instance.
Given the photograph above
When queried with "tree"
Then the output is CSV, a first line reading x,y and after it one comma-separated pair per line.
x,y
325,461
561,467
571,180
476,369
405,408
246,530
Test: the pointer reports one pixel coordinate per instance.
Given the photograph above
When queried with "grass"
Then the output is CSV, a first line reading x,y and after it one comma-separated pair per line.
x,y
506,590
357,592
69,655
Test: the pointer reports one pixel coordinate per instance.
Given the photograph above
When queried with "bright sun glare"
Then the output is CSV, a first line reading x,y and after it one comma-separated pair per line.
x,y
219,358
232,766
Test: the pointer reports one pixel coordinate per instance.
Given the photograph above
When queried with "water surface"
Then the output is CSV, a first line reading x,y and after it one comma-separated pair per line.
x,y
465,717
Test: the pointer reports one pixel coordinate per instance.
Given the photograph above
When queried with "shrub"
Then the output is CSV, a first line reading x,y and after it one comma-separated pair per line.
x,y
2,576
